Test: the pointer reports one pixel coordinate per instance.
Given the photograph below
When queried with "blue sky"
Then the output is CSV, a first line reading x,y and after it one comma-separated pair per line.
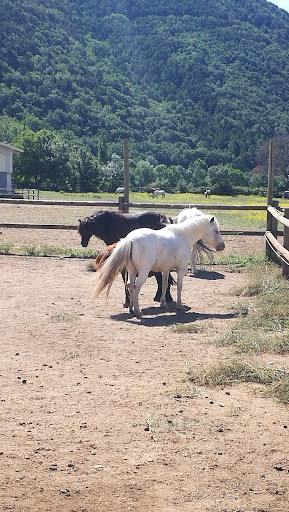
x,y
284,4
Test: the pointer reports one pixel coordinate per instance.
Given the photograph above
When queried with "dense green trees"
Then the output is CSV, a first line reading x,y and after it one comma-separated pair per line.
x,y
197,85
49,162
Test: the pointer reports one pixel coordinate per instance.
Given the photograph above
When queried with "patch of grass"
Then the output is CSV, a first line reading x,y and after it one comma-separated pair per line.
x,y
46,251
185,328
271,292
263,325
236,370
246,342
237,262
266,281
242,308
163,426
79,253
280,390
30,250
6,248
62,317
188,391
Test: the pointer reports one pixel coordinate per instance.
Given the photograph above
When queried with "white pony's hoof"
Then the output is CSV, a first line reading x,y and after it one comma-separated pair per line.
x,y
138,314
180,307
163,305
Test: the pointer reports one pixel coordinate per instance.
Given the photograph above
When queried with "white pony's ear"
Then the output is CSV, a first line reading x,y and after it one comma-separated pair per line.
x,y
212,219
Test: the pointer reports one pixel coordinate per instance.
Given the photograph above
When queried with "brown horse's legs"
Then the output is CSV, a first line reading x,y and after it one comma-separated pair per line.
x,y
127,294
165,276
157,297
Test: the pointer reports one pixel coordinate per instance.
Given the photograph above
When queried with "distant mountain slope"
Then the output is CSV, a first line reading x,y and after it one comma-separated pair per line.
x,y
182,79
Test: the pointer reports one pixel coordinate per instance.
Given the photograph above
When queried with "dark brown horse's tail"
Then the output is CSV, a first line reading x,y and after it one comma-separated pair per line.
x,y
103,255
203,249
118,260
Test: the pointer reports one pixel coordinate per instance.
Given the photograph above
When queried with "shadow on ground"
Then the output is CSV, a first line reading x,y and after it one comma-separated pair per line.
x,y
210,275
157,317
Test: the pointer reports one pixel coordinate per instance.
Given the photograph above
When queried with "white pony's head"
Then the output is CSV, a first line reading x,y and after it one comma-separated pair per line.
x,y
212,235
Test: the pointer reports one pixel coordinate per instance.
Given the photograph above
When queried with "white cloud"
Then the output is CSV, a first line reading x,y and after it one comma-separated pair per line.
x,y
283,4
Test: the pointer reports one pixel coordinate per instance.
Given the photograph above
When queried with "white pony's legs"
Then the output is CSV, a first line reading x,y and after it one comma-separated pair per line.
x,y
130,284
134,288
194,269
181,275
165,277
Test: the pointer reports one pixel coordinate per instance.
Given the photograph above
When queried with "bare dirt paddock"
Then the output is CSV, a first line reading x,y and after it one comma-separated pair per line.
x,y
97,412
98,415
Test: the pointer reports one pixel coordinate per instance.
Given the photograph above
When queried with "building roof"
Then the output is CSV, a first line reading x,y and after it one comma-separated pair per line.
x,y
14,149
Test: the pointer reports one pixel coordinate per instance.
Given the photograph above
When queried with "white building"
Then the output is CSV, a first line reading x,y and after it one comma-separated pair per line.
x,y
6,167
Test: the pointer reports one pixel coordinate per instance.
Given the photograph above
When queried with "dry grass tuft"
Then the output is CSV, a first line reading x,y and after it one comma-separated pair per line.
x,y
236,370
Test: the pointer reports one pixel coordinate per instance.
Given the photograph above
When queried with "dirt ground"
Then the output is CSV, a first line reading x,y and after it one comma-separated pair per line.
x,y
97,412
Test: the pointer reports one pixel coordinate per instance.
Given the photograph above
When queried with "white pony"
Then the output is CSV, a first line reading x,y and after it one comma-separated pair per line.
x,y
119,190
157,193
198,248
144,249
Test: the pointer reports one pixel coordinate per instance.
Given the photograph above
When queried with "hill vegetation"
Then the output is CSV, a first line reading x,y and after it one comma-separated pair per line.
x,y
194,85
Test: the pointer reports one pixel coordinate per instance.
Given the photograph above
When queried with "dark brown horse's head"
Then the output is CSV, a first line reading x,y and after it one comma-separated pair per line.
x,y
84,231
164,220
98,224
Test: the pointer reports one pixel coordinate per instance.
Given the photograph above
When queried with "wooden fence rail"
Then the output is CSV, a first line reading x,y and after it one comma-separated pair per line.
x,y
120,205
20,225
155,205
273,247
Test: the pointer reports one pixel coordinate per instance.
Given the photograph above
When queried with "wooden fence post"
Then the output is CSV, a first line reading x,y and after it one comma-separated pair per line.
x,y
126,174
121,206
271,172
285,266
272,226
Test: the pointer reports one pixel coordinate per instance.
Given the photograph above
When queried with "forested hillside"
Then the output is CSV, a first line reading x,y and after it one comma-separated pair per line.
x,y
185,80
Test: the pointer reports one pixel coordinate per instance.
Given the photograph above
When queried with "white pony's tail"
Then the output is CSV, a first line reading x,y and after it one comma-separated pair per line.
x,y
118,260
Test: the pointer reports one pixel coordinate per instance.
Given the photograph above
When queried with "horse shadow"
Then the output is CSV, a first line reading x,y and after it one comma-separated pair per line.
x,y
210,275
154,316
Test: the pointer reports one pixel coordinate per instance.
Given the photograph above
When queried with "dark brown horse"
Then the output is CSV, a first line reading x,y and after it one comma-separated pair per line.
x,y
111,226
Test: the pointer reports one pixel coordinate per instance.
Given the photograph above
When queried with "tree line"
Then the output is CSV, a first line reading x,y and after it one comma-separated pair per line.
x,y
194,85
51,163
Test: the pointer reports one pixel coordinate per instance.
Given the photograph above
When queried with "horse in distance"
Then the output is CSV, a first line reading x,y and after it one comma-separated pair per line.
x,y
145,250
119,190
159,193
